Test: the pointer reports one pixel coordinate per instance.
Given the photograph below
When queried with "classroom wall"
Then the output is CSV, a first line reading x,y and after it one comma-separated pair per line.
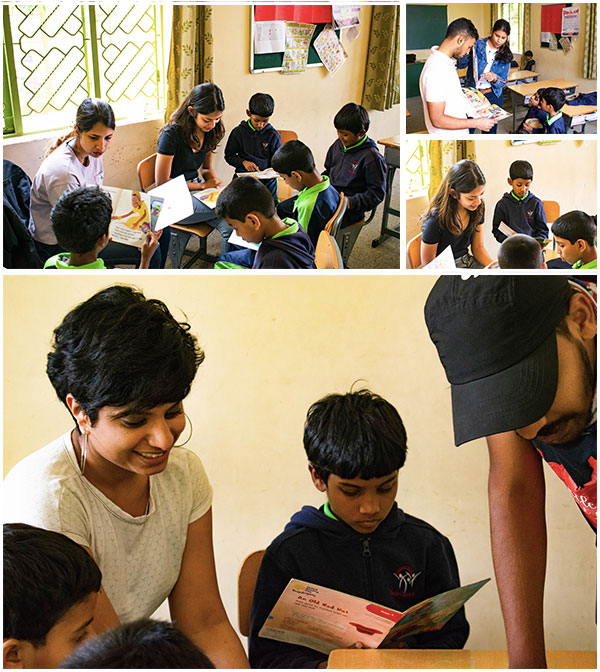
x,y
553,64
305,103
273,346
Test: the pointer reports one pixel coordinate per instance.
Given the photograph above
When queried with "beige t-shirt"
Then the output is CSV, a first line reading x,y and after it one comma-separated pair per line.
x,y
140,557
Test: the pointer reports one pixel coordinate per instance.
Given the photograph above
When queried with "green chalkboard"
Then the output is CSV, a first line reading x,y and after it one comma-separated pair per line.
x,y
425,25
259,62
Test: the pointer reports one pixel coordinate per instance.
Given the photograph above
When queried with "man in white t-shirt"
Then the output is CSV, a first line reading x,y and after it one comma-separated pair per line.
x,y
443,102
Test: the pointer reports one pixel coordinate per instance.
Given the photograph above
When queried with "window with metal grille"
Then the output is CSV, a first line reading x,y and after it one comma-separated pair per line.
x,y
57,55
417,168
513,13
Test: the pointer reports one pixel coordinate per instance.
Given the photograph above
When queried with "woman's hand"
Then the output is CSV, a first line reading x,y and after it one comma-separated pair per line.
x,y
490,76
211,181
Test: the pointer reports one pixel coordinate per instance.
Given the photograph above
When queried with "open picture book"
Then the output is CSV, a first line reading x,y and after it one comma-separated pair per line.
x,y
479,106
324,619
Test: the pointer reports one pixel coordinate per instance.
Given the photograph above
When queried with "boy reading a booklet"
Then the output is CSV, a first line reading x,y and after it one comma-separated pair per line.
x,y
359,541
80,221
575,234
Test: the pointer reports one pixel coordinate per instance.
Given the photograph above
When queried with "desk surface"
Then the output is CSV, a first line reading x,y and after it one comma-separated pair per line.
x,y
532,87
515,75
574,110
392,141
352,659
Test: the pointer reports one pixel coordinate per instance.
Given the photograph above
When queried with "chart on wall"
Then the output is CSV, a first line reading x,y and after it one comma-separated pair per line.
x,y
559,25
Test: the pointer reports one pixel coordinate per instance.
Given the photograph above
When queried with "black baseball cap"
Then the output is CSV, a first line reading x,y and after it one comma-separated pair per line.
x,y
496,338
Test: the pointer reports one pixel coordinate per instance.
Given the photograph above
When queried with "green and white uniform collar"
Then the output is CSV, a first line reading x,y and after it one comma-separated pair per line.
x,y
358,144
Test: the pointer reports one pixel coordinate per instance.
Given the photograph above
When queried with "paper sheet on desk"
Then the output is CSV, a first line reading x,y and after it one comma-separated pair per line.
x,y
267,174
177,202
234,239
208,196
442,262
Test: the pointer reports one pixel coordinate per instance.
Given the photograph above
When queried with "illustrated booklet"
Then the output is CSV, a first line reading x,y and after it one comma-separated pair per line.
x,y
479,106
324,619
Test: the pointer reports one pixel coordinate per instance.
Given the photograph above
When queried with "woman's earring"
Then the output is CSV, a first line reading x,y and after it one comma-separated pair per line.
x,y
84,448
189,422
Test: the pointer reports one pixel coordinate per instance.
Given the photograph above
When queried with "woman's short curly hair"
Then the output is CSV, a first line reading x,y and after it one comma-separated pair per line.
x,y
119,348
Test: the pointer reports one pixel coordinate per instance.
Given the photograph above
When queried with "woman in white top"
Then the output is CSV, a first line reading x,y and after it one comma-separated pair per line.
x,y
117,483
75,160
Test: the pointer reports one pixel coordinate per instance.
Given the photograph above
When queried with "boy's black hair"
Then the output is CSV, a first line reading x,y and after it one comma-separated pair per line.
x,y
119,348
520,170
353,118
554,96
80,217
141,644
520,251
354,435
575,225
261,104
461,26
242,196
294,155
528,53
45,575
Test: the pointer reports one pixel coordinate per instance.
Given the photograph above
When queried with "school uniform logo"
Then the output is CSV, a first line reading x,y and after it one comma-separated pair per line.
x,y
353,167
265,146
405,576
529,214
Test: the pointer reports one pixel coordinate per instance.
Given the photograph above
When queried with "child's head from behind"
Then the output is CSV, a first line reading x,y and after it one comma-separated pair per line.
x,y
575,234
260,109
293,161
80,219
355,444
520,177
352,123
520,251
137,645
245,204
552,100
50,590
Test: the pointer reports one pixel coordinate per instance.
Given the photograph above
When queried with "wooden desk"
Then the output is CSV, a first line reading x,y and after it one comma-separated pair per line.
x,y
392,158
518,91
515,75
354,659
570,111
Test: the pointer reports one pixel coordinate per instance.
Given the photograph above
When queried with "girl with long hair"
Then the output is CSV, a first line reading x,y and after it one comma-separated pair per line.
x,y
76,160
186,145
489,64
455,217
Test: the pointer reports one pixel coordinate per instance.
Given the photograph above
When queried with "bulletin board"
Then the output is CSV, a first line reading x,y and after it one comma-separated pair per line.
x,y
426,25
551,22
320,15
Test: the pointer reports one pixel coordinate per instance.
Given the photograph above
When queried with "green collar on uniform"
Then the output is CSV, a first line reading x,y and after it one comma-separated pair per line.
x,y
328,512
358,144
305,202
551,120
251,126
292,228
590,264
512,193
61,261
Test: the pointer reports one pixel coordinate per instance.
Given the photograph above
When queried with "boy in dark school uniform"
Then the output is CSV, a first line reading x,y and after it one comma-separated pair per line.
x,y
520,209
528,62
248,207
359,542
317,200
354,164
51,585
575,234
552,100
251,145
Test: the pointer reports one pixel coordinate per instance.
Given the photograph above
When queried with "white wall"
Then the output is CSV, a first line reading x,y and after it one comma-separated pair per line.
x,y
274,344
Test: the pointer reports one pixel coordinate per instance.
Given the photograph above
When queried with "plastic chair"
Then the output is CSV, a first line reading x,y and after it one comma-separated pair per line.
x,y
327,252
413,251
552,212
333,225
284,191
286,136
180,235
246,584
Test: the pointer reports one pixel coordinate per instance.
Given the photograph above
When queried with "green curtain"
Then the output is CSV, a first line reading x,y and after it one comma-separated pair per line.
x,y
442,155
495,14
382,77
526,25
191,56
589,54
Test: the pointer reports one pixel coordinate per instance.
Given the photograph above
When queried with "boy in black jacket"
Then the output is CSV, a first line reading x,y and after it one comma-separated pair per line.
x,y
354,164
359,542
251,145
520,209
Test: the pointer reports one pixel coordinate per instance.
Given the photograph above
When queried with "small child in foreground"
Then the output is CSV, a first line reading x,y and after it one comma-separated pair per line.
x,y
354,164
552,100
50,589
532,123
359,542
575,234
142,644
248,207
80,221
317,200
251,145
520,251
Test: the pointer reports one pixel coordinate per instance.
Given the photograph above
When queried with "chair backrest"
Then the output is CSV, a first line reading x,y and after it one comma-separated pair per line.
x,y
327,252
286,136
413,251
246,583
551,210
333,225
145,171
